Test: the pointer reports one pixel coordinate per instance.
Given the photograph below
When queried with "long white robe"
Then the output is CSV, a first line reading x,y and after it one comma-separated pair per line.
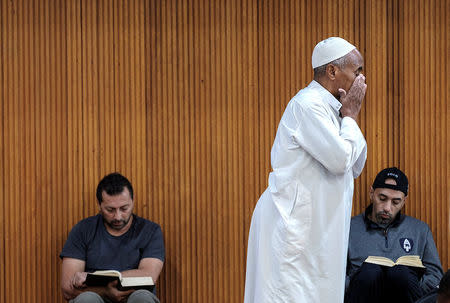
x,y
298,238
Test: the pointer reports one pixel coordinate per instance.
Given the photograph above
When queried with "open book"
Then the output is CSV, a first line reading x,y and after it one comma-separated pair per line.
x,y
103,277
413,261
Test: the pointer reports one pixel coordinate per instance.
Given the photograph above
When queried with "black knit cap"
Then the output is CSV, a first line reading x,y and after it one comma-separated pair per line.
x,y
395,174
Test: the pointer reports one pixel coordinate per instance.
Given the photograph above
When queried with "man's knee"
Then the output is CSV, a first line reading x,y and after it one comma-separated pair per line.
x,y
366,285
142,296
369,274
404,281
402,277
87,297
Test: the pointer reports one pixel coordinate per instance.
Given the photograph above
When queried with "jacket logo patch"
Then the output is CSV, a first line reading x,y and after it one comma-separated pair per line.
x,y
407,244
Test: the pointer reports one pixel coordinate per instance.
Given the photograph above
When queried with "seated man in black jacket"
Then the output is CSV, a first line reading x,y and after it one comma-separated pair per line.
x,y
383,231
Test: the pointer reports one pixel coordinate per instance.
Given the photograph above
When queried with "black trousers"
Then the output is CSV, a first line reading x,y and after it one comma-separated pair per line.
x,y
380,284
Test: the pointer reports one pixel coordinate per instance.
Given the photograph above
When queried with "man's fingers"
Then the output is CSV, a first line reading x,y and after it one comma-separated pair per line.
x,y
359,86
360,78
359,82
113,283
78,280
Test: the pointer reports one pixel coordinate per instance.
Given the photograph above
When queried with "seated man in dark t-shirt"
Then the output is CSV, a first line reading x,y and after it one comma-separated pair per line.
x,y
114,239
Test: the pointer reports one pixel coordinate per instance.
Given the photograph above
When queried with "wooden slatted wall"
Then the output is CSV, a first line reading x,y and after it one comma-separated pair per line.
x,y
184,98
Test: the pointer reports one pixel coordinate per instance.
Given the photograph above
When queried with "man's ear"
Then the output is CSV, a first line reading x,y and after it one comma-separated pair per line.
x,y
331,71
371,192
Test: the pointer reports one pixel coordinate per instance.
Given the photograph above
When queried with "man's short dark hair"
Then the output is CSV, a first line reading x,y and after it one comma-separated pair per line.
x,y
444,286
341,62
113,184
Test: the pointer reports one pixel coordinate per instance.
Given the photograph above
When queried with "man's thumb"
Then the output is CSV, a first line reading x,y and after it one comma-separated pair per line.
x,y
342,93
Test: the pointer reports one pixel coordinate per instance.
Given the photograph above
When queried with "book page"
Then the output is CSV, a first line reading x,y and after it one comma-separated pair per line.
x,y
136,281
410,261
380,261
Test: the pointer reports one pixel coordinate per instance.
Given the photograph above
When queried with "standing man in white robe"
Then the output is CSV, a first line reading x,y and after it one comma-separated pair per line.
x,y
297,247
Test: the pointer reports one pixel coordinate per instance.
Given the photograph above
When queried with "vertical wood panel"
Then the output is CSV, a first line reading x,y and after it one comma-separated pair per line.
x,y
11,120
30,159
2,156
107,98
74,211
184,98
41,178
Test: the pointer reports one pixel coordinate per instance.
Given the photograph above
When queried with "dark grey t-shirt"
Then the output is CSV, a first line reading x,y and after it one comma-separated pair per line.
x,y
89,241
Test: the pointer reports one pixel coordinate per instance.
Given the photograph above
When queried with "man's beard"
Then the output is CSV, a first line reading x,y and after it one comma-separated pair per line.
x,y
118,224
383,221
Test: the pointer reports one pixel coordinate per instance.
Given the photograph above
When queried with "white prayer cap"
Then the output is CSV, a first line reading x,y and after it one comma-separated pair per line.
x,y
329,50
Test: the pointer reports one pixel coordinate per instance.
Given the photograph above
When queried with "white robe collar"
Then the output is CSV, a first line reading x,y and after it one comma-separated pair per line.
x,y
327,96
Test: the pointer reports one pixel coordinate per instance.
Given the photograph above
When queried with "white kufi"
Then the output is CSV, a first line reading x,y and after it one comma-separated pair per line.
x,y
329,50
